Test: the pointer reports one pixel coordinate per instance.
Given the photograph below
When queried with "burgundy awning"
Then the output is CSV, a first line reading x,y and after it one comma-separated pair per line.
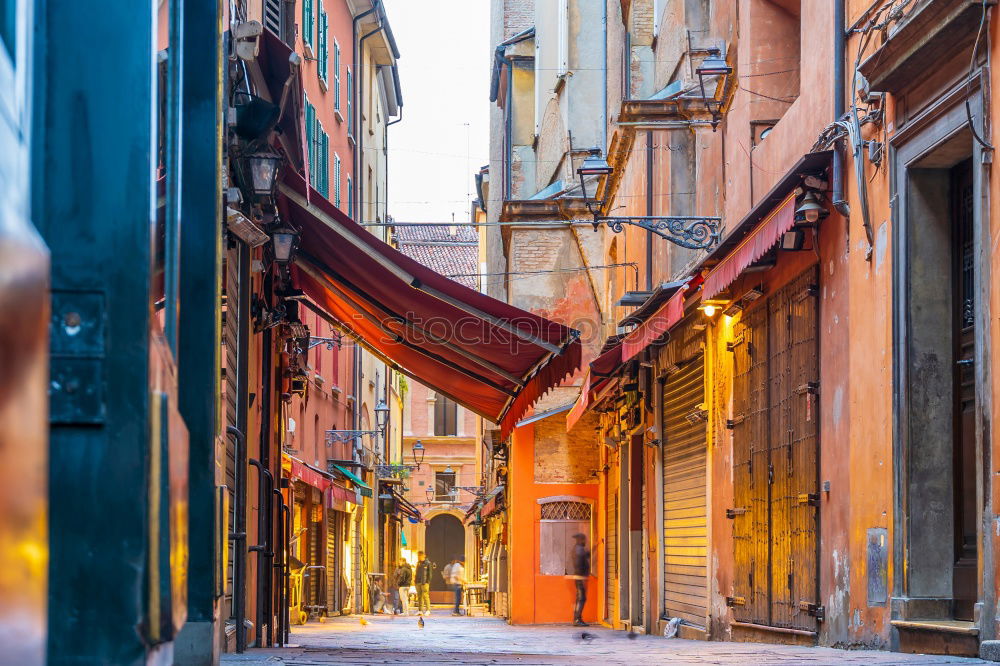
x,y
659,323
282,81
765,236
489,356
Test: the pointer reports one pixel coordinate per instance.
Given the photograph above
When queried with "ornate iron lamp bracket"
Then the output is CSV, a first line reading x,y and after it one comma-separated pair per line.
x,y
692,232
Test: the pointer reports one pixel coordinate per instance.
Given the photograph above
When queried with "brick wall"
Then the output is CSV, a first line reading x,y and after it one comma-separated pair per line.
x,y
518,15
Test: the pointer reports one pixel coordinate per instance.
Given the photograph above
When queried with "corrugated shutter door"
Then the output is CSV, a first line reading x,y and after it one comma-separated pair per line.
x,y
685,523
230,343
611,555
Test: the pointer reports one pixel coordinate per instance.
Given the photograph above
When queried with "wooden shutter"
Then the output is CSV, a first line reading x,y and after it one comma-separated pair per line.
x,y
611,547
307,21
310,142
322,48
350,102
336,180
685,518
336,75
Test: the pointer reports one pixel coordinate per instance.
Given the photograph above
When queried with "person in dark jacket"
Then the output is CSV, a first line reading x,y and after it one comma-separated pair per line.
x,y
581,571
422,579
402,580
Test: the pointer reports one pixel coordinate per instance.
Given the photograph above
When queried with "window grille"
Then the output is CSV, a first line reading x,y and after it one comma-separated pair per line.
x,y
566,511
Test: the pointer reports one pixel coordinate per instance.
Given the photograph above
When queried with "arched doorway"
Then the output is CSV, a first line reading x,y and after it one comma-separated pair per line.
x,y
445,539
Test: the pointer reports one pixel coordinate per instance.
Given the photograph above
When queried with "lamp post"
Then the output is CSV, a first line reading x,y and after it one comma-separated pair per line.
x,y
418,453
692,232
381,414
430,492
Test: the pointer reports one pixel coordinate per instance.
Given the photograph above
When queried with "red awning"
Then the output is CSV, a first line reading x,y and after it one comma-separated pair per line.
x,y
753,247
580,406
489,356
659,323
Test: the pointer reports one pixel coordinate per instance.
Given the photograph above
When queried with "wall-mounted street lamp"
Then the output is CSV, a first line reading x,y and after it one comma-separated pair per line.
x,y
262,167
381,414
431,494
381,420
692,232
284,241
811,210
714,65
418,453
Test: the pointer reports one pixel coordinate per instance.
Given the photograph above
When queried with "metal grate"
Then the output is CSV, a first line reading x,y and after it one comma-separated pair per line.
x,y
566,511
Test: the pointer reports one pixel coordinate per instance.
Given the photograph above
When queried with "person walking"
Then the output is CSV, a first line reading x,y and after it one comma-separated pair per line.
x,y
581,571
422,579
456,578
402,580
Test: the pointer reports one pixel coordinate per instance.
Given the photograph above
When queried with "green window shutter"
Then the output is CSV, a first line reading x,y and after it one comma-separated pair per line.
x,y
326,165
336,75
323,51
309,141
350,102
336,181
307,21
350,198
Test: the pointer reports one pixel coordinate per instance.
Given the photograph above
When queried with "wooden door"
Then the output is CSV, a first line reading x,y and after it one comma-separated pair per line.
x,y
964,577
775,460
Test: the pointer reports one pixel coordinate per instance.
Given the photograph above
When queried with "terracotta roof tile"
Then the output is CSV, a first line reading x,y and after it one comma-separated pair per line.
x,y
453,255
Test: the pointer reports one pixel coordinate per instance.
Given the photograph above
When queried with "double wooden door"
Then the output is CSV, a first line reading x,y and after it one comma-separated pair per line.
x,y
775,460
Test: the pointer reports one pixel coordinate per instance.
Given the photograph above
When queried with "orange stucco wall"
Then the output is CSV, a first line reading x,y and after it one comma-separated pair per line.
x,y
538,599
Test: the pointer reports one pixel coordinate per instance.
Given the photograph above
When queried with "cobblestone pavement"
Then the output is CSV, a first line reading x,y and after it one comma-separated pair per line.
x,y
486,640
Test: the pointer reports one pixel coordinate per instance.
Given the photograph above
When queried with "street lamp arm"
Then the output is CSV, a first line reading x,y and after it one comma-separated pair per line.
x,y
692,232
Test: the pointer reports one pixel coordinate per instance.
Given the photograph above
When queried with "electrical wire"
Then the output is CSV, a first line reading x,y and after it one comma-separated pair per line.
x,y
552,270
968,84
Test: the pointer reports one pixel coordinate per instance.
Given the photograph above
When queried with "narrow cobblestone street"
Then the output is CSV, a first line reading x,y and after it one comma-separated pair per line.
x,y
488,640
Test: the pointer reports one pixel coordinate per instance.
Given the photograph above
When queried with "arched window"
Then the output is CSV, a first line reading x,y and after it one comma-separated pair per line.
x,y
445,416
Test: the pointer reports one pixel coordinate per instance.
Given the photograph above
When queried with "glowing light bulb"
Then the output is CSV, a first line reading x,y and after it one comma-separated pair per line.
x,y
709,310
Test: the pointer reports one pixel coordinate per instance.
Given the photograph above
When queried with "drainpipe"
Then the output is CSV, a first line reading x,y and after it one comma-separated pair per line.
x,y
359,136
649,209
839,83
604,75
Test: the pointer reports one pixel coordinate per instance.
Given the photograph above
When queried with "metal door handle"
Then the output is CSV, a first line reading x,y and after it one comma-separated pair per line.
x,y
965,361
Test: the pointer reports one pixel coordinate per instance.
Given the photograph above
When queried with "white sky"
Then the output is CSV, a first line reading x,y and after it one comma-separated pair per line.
x,y
444,71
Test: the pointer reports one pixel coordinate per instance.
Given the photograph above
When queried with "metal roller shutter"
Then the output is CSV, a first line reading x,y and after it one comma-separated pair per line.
x,y
231,349
611,548
685,522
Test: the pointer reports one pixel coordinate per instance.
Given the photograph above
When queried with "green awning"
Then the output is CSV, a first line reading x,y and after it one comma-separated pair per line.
x,y
355,480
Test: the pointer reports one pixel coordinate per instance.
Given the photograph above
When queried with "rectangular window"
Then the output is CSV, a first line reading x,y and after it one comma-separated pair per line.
x,y
560,522
445,416
322,55
307,22
336,75
444,487
336,180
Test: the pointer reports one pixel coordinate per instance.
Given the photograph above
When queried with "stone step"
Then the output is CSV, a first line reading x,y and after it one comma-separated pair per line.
x,y
951,637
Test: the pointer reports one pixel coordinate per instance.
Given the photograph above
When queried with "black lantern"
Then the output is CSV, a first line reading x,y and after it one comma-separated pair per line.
x,y
381,414
284,241
418,453
695,232
262,167
714,65
594,165
430,494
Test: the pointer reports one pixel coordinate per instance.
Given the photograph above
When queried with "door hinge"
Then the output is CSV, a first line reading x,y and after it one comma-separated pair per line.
x,y
816,610
732,513
812,499
735,421
735,601
770,473
731,346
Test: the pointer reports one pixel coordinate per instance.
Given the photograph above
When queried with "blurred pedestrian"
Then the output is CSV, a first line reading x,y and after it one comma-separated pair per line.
x,y
422,579
455,576
581,571
402,579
